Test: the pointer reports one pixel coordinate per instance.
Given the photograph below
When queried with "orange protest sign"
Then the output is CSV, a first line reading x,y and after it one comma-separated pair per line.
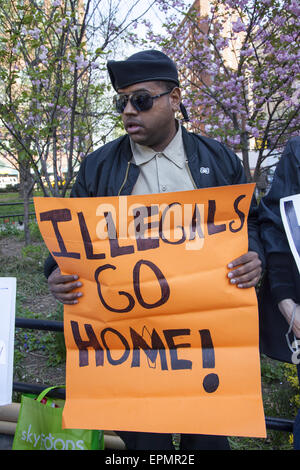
x,y
160,340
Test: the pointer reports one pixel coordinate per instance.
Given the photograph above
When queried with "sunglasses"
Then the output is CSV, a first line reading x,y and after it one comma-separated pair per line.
x,y
141,101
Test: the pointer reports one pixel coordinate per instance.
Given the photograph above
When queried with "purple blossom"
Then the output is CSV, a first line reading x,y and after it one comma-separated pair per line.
x,y
81,61
294,7
35,33
43,54
234,140
238,26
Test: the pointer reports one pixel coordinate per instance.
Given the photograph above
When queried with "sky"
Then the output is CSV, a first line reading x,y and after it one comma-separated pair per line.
x,y
154,15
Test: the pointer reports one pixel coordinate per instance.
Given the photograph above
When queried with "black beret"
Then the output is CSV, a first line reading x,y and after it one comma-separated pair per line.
x,y
145,66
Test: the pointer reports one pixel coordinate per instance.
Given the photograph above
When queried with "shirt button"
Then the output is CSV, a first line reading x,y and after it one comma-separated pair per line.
x,y
159,155
164,188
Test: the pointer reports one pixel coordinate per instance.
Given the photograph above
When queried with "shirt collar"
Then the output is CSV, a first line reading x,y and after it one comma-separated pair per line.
x,y
173,152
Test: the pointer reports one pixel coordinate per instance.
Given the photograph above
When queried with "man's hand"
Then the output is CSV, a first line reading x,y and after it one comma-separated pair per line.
x,y
245,270
286,307
62,287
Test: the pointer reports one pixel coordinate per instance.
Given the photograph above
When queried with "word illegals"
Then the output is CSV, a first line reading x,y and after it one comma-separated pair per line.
x,y
142,224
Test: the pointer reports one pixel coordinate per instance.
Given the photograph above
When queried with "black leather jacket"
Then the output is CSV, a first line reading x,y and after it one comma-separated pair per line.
x,y
282,280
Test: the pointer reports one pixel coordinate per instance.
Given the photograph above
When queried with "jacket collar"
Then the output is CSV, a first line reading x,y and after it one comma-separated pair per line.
x,y
192,155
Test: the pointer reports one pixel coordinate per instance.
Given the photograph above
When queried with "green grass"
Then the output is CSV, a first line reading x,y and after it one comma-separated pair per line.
x,y
281,399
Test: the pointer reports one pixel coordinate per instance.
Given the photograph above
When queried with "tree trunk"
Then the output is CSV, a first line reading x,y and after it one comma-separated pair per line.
x,y
26,185
245,155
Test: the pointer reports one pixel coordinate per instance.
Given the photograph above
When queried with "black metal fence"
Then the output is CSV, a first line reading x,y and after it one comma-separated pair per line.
x,y
15,216
274,424
45,325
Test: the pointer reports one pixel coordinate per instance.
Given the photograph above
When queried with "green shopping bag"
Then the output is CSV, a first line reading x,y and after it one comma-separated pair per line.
x,y
39,427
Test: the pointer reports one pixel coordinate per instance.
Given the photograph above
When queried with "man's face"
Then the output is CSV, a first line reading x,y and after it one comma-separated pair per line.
x,y
155,127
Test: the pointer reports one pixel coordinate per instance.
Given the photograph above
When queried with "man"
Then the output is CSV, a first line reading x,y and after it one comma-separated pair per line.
x,y
279,295
157,155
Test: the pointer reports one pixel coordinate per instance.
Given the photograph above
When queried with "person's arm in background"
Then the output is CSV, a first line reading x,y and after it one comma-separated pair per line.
x,y
280,262
290,309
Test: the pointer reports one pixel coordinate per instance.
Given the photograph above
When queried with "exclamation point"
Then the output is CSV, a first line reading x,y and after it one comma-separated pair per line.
x,y
210,381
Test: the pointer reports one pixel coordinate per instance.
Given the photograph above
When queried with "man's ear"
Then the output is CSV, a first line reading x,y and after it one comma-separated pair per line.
x,y
175,97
